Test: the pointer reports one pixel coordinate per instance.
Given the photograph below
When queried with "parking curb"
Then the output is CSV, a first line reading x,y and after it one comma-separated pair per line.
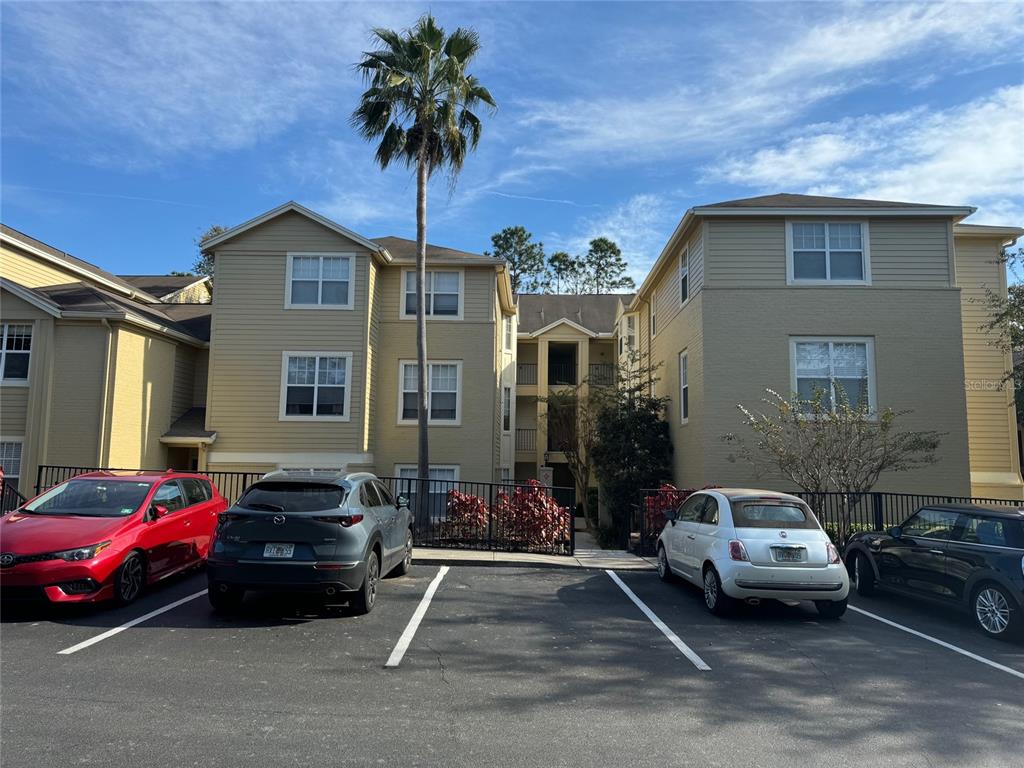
x,y
426,556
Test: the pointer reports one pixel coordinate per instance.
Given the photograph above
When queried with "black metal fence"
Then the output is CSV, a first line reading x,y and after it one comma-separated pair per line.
x,y
10,499
872,511
230,484
509,517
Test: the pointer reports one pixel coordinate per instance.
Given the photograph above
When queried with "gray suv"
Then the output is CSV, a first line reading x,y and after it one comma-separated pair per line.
x,y
310,532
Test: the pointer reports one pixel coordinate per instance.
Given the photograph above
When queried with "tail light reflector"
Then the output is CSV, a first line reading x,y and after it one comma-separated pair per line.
x,y
833,554
737,551
345,521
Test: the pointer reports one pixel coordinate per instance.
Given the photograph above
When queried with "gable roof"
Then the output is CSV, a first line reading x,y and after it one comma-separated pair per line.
x,y
403,249
790,200
593,313
292,206
163,286
72,263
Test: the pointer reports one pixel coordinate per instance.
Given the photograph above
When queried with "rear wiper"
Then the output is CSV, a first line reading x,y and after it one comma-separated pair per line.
x,y
263,505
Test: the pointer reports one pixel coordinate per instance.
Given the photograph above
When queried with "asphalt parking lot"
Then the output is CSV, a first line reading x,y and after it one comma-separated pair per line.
x,y
508,667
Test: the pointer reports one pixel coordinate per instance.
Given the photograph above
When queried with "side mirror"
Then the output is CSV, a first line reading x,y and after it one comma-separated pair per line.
x,y
159,510
672,515
896,532
403,501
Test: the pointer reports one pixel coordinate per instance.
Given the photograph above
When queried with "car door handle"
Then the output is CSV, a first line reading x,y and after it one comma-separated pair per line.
x,y
937,551
690,536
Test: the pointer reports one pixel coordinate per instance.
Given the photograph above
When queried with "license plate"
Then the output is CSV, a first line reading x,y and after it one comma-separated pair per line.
x,y
789,555
278,550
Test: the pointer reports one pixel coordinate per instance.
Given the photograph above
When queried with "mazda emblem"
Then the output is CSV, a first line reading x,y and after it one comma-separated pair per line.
x,y
278,519
783,534
6,560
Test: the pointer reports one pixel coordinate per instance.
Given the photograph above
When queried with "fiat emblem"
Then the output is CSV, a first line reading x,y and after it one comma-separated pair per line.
x,y
278,519
783,534
6,559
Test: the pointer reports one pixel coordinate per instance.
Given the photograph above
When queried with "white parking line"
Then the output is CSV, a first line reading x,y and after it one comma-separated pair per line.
x,y
943,643
673,638
410,629
128,625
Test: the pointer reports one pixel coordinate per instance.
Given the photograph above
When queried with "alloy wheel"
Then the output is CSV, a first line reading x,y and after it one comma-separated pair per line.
x,y
992,610
856,571
131,579
662,562
408,549
710,589
371,581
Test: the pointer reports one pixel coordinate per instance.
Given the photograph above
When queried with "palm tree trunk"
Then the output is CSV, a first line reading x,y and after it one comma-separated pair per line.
x,y
423,461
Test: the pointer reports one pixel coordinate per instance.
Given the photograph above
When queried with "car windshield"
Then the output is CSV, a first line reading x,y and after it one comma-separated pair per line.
x,y
91,498
293,497
762,514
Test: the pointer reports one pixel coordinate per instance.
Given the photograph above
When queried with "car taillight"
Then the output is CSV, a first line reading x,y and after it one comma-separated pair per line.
x,y
227,517
345,521
833,554
737,551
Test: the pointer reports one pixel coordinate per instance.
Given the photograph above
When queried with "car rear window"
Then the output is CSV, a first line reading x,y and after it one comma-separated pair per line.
x,y
293,497
763,514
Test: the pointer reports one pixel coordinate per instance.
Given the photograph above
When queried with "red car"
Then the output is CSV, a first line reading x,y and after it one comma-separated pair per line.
x,y
107,535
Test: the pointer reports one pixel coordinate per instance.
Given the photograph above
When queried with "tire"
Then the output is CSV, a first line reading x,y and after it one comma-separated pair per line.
x,y
130,579
830,609
403,567
664,569
715,600
363,600
862,574
995,612
225,599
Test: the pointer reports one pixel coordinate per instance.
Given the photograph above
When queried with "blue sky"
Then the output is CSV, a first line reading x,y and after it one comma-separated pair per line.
x,y
128,129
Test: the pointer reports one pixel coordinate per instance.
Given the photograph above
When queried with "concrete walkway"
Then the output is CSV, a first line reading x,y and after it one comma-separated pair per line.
x,y
588,555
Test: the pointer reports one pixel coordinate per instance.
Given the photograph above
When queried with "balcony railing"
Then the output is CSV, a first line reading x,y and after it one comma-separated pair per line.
x,y
561,374
526,439
526,373
602,374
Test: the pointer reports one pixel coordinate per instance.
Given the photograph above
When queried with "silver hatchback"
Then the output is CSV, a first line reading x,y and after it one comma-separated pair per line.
x,y
310,532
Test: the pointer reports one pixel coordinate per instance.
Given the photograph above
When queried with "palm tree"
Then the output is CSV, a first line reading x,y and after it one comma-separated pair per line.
x,y
419,102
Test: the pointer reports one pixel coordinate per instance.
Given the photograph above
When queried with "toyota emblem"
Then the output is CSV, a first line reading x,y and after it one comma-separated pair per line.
x,y
278,519
783,534
6,560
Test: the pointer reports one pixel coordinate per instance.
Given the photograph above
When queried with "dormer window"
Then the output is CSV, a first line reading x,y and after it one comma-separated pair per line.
x,y
831,252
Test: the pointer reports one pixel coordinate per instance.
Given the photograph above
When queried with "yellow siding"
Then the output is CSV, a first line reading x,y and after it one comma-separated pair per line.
x,y
183,394
192,294
904,253
77,402
991,416
139,400
31,271
13,411
202,369
288,232
478,304
14,398
918,364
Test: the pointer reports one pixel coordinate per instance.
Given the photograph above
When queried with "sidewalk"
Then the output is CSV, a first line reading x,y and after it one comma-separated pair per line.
x,y
588,555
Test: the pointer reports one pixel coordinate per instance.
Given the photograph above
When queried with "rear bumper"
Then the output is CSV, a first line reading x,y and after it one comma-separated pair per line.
x,y
287,576
743,580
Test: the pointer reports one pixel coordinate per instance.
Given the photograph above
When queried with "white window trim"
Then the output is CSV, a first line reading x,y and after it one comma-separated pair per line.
x,y
653,316
282,416
462,295
869,353
348,255
3,353
458,394
508,337
506,402
684,355
865,235
21,441
400,467
684,258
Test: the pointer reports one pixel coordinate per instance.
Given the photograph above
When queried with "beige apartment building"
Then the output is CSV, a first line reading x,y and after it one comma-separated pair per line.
x,y
304,353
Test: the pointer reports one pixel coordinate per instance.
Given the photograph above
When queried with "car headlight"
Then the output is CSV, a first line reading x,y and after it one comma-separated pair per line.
x,y
82,553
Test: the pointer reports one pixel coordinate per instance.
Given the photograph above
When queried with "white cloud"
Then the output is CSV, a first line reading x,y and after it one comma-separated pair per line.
x,y
139,82
969,154
640,226
759,85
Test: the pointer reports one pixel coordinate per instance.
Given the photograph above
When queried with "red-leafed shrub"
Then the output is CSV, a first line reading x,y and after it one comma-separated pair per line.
x,y
658,503
530,516
466,516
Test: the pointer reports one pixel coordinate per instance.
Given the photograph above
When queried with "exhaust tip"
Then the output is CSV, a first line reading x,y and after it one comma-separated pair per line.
x,y
331,591
223,587
753,601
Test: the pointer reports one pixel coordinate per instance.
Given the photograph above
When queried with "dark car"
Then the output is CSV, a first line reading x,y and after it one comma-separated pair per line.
x,y
310,532
968,557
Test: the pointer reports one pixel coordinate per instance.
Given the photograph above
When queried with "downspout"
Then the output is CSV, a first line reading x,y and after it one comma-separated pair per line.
x,y
106,392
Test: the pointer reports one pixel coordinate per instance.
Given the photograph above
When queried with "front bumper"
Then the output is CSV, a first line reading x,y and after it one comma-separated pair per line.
x,y
58,581
746,580
285,576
